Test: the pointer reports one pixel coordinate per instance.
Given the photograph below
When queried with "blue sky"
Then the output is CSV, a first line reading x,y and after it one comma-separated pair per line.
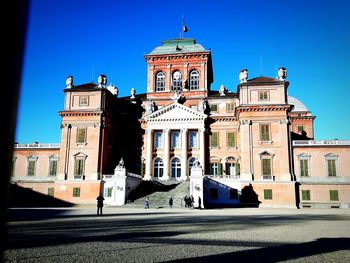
x,y
87,38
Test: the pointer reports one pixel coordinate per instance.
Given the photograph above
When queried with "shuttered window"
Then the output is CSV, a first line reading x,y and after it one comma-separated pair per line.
x,y
81,135
214,139
305,195
53,167
304,167
333,195
79,166
332,171
231,140
31,167
264,132
268,194
266,167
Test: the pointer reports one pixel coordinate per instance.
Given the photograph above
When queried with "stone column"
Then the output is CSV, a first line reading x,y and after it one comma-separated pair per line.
x,y
184,146
166,148
149,154
202,148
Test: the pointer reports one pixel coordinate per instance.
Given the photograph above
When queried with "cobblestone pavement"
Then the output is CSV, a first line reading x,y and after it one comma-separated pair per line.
x,y
178,235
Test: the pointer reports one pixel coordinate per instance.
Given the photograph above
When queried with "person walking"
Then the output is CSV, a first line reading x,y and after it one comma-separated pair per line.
x,y
100,200
199,202
146,204
171,201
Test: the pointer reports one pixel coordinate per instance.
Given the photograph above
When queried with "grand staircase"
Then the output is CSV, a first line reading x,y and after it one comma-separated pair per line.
x,y
159,193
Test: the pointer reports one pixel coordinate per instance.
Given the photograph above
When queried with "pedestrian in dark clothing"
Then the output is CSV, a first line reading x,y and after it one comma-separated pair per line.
x,y
100,200
199,202
191,201
171,202
146,204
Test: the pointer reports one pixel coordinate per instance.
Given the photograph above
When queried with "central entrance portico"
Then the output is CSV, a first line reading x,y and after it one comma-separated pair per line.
x,y
175,135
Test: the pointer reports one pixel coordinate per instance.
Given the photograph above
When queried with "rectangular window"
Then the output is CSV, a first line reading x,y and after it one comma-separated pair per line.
x,y
233,193
264,95
31,167
333,195
158,140
76,192
215,168
79,167
332,171
266,167
81,135
264,132
108,192
230,107
231,140
305,195
50,191
268,194
300,128
304,167
214,139
214,107
83,100
53,167
213,193
193,139
175,139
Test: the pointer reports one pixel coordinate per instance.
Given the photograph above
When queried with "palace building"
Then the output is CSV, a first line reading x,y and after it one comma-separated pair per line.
x,y
254,146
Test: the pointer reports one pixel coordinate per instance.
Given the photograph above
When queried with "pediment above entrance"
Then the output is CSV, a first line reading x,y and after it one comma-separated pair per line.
x,y
175,112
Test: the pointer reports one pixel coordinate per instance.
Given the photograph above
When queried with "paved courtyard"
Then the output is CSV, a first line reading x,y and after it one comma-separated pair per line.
x,y
178,235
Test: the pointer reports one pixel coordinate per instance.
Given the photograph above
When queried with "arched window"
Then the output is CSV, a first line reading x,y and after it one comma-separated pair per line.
x,y
175,167
158,167
194,80
190,164
160,81
177,81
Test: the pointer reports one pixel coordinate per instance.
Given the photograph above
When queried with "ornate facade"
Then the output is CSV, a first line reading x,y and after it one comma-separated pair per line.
x,y
257,139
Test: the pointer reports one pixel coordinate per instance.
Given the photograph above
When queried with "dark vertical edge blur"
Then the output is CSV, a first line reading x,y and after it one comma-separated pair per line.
x,y
13,24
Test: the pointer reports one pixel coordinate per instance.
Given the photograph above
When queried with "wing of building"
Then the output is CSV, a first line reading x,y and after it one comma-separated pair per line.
x,y
253,147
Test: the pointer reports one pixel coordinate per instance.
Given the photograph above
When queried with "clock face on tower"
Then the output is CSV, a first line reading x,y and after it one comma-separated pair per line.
x,y
177,75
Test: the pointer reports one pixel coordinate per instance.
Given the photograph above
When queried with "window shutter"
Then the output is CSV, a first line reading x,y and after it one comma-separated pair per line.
x,y
219,168
264,131
238,169
211,168
31,168
214,139
331,168
231,139
266,166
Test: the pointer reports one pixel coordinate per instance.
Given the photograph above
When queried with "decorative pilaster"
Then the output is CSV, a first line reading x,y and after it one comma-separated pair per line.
x,y
202,147
286,170
149,152
184,146
246,150
166,133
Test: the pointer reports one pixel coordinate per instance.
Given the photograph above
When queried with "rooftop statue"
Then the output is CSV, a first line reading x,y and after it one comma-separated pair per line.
x,y
222,90
132,93
113,89
69,82
243,75
282,73
102,81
